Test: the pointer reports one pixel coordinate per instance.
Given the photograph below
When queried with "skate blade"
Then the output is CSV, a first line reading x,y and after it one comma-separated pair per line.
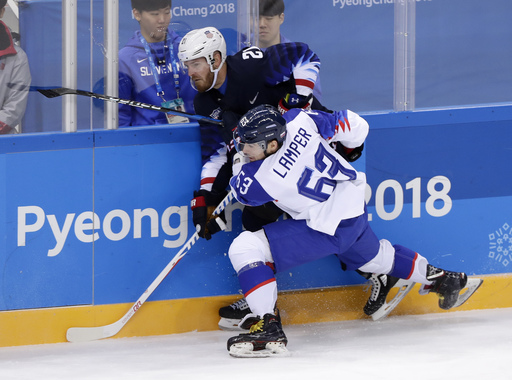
x,y
471,286
228,324
245,350
405,287
424,289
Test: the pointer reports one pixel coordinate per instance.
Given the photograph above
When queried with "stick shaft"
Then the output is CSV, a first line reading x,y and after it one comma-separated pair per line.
x,y
53,92
85,334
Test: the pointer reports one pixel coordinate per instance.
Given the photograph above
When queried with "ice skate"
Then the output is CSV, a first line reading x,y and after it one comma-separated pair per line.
x,y
453,288
377,307
232,315
265,338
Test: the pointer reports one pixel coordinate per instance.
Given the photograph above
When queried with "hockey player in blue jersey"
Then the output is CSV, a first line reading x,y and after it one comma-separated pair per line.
x,y
229,86
288,161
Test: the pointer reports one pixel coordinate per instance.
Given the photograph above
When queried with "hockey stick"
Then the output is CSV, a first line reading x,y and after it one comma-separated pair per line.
x,y
55,92
85,334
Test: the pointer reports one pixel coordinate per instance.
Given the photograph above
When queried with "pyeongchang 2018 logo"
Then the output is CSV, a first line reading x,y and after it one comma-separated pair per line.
x,y
500,245
116,225
369,3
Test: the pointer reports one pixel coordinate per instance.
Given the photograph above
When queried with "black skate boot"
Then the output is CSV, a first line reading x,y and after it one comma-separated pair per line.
x,y
378,306
381,285
232,315
251,319
447,285
266,338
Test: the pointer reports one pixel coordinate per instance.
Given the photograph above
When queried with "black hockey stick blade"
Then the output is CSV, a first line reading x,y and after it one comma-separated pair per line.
x,y
56,92
53,93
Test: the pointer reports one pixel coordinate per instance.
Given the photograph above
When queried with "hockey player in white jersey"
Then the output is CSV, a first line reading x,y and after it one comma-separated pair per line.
x,y
288,160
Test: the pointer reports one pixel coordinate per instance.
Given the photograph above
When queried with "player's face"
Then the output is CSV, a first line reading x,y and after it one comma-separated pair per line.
x,y
258,150
200,73
270,30
254,151
153,24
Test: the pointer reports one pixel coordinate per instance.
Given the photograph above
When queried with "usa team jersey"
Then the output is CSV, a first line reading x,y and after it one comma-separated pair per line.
x,y
306,178
253,78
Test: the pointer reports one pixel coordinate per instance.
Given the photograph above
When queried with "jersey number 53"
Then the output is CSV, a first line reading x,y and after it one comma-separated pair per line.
x,y
243,183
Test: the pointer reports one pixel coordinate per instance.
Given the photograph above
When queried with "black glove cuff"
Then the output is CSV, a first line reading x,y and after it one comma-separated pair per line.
x,y
212,198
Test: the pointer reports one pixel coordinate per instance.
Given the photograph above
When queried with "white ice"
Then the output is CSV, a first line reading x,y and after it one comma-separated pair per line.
x,y
459,345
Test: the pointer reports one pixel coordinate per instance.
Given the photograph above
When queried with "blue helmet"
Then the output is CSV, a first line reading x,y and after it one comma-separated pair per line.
x,y
260,125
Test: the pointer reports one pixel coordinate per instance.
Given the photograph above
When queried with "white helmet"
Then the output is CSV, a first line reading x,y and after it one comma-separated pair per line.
x,y
203,43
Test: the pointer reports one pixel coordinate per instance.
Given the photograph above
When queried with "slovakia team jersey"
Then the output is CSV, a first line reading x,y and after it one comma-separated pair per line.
x,y
306,178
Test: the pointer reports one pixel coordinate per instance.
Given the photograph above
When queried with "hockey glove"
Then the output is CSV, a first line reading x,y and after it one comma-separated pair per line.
x,y
199,211
214,225
295,101
238,161
349,154
202,206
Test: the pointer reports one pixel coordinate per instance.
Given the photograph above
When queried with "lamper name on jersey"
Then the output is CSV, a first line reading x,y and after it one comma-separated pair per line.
x,y
300,141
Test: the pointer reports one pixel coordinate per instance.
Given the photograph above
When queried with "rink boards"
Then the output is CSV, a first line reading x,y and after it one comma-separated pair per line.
x,y
89,219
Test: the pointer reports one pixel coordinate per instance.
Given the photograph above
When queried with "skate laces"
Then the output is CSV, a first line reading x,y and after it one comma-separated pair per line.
x,y
240,304
375,283
434,273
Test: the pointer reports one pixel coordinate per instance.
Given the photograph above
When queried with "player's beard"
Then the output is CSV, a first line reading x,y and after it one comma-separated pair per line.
x,y
205,83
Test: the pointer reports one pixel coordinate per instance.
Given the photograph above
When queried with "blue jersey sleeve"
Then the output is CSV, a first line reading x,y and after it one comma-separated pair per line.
x,y
326,122
286,59
246,187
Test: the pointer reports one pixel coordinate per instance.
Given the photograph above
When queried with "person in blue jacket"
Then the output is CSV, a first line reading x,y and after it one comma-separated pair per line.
x,y
149,68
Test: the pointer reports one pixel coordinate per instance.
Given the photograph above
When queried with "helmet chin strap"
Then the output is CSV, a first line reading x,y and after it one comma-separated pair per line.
x,y
192,83
215,75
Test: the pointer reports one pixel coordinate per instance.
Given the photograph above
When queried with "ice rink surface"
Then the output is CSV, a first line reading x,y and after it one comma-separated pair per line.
x,y
459,345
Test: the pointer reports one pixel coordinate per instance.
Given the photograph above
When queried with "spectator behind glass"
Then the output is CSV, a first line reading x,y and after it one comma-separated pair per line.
x,y
149,68
271,17
15,79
